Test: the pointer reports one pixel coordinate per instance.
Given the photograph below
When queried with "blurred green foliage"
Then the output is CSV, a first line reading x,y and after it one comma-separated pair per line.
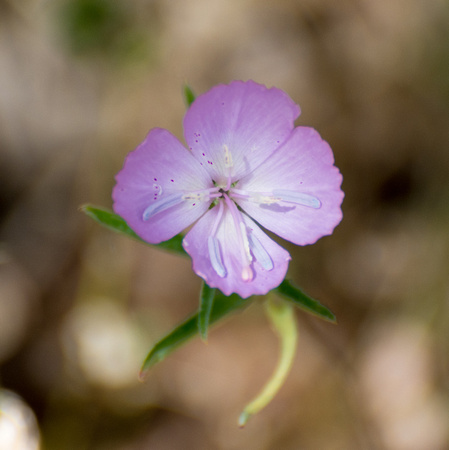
x,y
103,28
92,25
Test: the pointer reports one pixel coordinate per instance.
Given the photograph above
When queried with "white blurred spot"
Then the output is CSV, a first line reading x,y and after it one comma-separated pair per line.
x,y
398,382
105,343
18,425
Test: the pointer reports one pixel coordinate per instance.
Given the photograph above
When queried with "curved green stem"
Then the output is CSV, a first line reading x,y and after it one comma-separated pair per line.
x,y
282,317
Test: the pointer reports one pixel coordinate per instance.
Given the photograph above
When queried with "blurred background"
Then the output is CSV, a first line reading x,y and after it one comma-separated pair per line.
x,y
81,83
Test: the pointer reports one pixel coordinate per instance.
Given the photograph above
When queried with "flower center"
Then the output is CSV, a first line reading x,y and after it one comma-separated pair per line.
x,y
249,248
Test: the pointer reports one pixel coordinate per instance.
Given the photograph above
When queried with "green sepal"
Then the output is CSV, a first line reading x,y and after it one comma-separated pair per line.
x,y
290,292
222,306
189,95
116,223
207,295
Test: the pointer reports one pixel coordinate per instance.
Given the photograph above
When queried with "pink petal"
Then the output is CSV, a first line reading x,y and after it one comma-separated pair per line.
x,y
244,120
196,245
304,164
157,174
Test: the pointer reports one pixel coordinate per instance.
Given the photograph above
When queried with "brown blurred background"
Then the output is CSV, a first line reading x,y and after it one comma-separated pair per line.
x,y
81,83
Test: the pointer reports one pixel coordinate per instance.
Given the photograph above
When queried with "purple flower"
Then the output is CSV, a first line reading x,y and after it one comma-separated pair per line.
x,y
246,161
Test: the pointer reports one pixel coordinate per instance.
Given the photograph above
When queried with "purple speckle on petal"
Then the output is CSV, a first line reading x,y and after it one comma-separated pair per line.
x,y
155,179
194,204
196,140
204,154
172,181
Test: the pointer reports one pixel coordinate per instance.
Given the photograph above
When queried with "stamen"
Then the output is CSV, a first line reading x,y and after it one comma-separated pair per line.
x,y
235,194
266,198
298,198
202,195
161,205
269,198
228,157
218,218
229,164
228,182
259,252
213,246
245,241
242,239
197,196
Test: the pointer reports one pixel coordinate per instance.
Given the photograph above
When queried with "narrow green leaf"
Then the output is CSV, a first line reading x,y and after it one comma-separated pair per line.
x,y
109,220
303,301
116,223
189,95
222,306
206,302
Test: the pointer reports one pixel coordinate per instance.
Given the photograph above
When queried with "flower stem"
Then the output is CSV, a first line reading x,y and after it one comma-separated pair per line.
x,y
282,317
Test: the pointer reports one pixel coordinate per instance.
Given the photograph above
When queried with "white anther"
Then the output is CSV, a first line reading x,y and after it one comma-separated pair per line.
x,y
245,241
259,252
213,246
297,197
161,205
228,157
